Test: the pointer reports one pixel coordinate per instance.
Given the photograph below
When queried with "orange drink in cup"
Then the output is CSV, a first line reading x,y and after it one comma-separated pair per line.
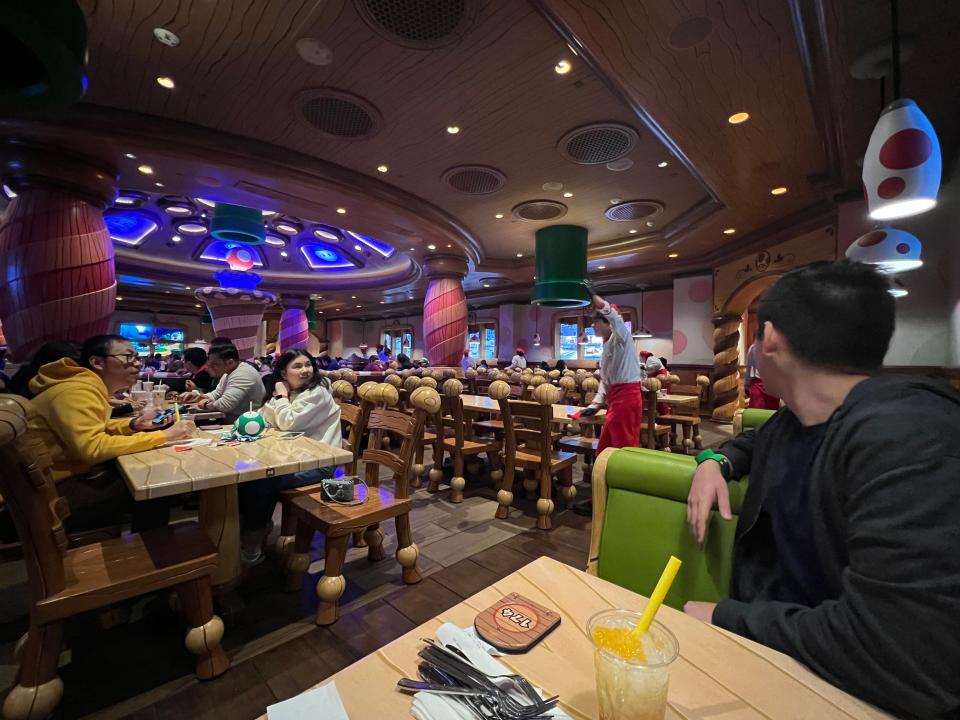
x,y
633,669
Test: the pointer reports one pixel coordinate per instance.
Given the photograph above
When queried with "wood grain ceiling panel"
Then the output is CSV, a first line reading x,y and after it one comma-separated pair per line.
x,y
237,71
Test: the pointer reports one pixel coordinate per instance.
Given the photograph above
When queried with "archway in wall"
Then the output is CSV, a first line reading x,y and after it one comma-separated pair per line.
x,y
726,344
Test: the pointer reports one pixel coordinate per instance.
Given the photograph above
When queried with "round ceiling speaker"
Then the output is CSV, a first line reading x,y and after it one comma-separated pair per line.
x,y
421,24
597,144
539,210
634,210
338,114
474,179
238,224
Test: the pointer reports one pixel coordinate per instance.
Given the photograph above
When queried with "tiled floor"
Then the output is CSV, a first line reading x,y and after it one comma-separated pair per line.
x,y
139,669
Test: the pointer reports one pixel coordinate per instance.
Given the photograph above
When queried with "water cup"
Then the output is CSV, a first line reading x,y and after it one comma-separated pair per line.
x,y
633,671
148,386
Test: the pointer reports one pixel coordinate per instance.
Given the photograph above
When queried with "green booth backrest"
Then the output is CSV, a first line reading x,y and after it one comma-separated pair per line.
x,y
645,522
755,418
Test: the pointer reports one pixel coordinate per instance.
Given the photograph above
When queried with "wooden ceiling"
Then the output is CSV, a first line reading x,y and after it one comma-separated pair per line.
x,y
673,70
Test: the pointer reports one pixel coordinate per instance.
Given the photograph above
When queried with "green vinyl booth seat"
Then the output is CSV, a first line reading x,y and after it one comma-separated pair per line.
x,y
749,419
640,520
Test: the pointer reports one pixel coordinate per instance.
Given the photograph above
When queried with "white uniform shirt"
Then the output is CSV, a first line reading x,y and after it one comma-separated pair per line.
x,y
313,412
236,391
619,363
519,361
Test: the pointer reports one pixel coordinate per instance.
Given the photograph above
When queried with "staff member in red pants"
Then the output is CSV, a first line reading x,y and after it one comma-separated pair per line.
x,y
619,384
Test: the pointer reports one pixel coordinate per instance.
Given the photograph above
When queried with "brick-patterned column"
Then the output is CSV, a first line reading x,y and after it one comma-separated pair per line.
x,y
726,366
236,314
445,310
294,329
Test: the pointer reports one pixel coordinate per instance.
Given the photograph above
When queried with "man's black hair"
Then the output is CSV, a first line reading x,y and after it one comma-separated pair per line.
x,y
195,356
837,315
97,346
226,351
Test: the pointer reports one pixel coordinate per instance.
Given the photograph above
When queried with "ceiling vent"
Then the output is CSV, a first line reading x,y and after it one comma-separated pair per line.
x,y
598,143
420,24
539,210
338,114
634,210
474,179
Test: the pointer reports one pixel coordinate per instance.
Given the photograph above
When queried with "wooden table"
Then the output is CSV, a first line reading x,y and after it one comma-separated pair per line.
x,y
683,401
485,404
215,473
717,674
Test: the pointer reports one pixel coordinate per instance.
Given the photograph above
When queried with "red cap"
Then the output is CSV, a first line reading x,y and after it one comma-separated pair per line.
x,y
645,354
520,350
615,308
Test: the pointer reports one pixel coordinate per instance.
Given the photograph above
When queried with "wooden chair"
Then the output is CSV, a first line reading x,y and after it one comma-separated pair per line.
x,y
337,522
353,417
65,581
653,435
459,446
530,447
685,426
495,426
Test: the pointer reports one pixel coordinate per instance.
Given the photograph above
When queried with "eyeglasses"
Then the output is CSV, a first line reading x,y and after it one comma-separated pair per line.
x,y
127,358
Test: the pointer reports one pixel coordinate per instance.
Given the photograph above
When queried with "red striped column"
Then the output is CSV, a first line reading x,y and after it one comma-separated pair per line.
x,y
294,330
57,280
445,310
236,314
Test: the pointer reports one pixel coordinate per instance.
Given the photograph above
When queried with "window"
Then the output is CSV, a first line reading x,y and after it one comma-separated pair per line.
x,y
482,340
567,330
399,338
148,339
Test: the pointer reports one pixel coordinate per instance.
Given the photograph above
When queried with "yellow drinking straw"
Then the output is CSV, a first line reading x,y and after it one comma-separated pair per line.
x,y
659,593
176,410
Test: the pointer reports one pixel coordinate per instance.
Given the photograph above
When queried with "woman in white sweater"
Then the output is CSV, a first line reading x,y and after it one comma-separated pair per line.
x,y
299,401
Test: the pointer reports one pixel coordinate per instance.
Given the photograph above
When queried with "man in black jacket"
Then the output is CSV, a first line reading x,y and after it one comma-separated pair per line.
x,y
847,551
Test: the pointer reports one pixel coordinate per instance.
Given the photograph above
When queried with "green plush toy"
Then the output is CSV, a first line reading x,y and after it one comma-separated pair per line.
x,y
249,425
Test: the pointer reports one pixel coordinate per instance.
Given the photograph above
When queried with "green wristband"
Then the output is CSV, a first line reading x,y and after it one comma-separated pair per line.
x,y
713,455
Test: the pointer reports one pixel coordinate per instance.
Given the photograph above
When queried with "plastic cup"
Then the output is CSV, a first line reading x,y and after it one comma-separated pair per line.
x,y
632,674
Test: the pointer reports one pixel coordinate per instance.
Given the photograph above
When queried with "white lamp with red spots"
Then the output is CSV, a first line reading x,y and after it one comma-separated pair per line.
x,y
890,249
901,170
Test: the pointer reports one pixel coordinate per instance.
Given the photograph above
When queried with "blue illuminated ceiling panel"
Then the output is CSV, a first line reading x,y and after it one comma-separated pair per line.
x,y
320,256
217,251
130,227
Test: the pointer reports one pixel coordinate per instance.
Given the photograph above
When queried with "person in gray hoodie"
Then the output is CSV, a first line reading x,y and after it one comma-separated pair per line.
x,y
847,549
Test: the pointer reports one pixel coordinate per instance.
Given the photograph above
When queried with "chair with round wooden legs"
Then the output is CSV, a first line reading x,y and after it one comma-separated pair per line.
x,y
64,581
652,434
353,417
337,521
530,448
459,446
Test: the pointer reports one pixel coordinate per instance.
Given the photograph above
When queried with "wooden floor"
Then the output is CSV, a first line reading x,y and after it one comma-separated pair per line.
x,y
139,669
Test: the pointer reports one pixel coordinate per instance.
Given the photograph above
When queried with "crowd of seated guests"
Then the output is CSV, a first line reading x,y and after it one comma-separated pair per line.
x,y
75,388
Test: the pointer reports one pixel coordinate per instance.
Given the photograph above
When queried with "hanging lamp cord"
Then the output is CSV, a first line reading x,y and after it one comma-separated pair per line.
x,y
895,45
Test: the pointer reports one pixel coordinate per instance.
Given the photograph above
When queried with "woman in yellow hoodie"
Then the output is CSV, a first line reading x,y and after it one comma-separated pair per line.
x,y
73,419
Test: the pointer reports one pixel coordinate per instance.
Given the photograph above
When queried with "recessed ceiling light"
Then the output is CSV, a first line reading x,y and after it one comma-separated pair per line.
x,y
563,67
449,245
176,238
274,241
599,267
778,190
166,292
358,248
453,129
314,52
283,253
341,211
119,298
650,223
431,247
383,302
568,194
198,305
130,155
145,169
159,184
633,231
499,216
662,164
287,229
738,117
326,235
519,254
382,168
268,213
486,284
673,255
166,82
337,310
359,306
168,38
187,287
353,297
729,231
319,312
